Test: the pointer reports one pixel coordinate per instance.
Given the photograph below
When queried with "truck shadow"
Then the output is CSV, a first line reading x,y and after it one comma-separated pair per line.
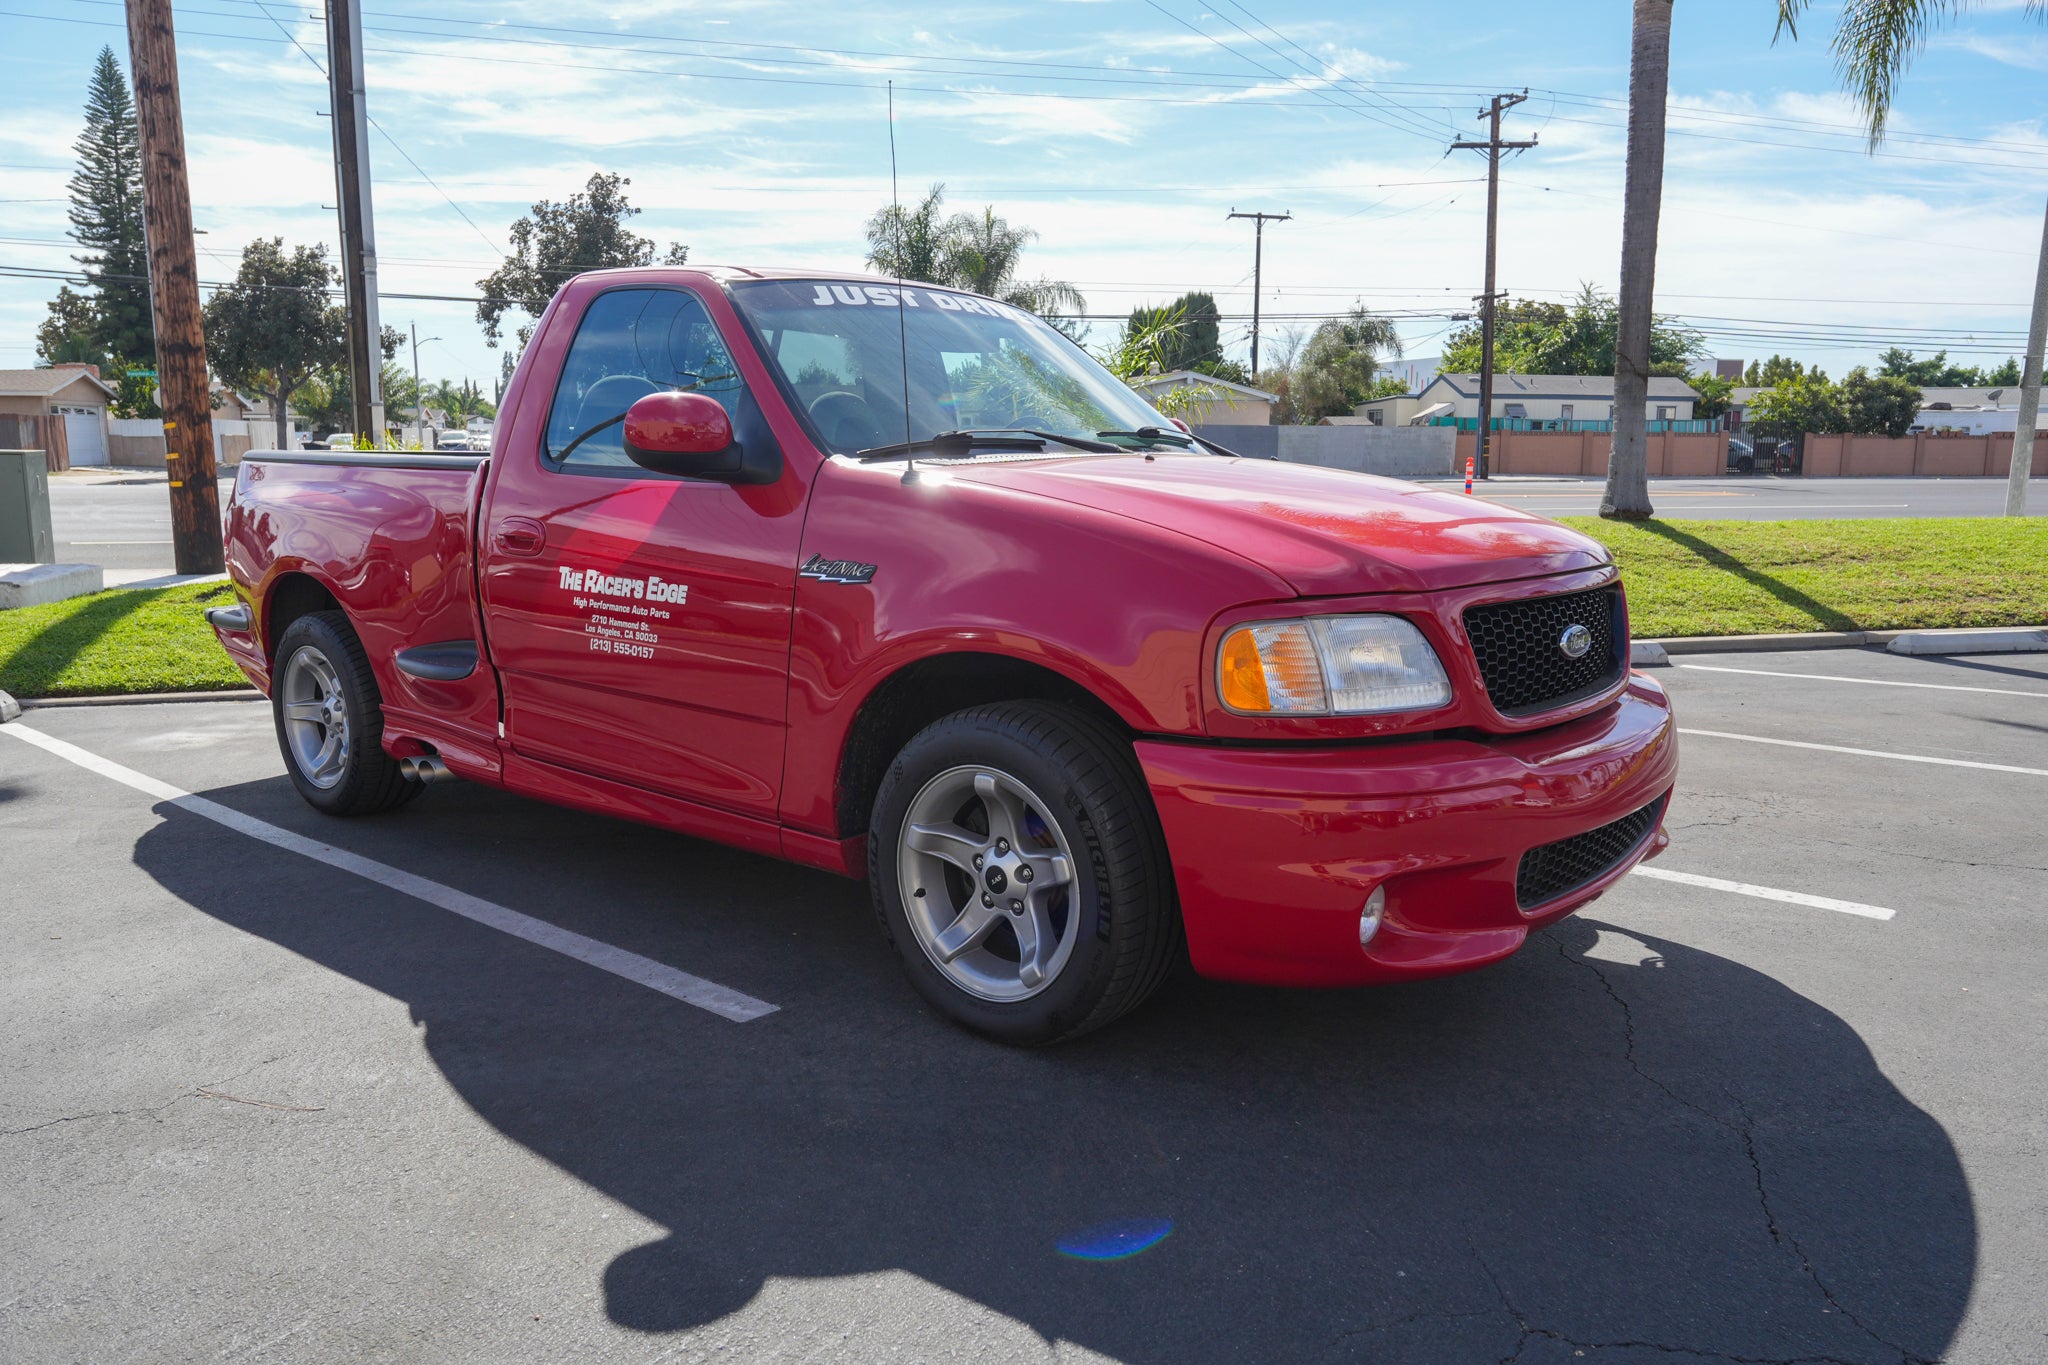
x,y
1609,1139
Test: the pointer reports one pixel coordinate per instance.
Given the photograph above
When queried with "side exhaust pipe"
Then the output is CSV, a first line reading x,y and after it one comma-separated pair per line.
x,y
427,768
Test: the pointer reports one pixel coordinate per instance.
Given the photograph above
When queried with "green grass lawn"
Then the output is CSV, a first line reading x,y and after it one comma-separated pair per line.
x,y
119,641
1684,578
1758,577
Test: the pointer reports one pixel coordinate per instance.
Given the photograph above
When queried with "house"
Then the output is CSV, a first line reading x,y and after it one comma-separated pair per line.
x,y
70,397
1975,411
1402,410
1548,398
1224,404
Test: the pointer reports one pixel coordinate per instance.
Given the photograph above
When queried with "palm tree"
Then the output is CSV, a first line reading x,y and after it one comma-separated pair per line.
x,y
978,252
910,244
1874,42
1628,481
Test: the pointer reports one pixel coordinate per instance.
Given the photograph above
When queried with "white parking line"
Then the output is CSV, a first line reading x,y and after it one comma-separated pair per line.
x,y
643,971
1869,753
1871,682
1768,893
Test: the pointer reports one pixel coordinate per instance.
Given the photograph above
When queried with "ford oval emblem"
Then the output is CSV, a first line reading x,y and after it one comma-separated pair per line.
x,y
1575,642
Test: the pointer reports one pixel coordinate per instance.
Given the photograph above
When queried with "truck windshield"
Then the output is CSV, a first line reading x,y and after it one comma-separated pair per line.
x,y
842,350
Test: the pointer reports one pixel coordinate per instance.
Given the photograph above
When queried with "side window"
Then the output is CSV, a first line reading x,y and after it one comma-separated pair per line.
x,y
632,342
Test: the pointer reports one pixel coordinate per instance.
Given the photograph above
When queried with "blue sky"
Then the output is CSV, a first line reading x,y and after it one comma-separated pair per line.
x,y
1123,131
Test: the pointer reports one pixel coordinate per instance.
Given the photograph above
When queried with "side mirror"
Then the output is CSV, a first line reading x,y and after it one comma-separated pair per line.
x,y
681,433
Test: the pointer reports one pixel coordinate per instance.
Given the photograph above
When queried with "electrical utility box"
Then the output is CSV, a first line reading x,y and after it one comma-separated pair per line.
x,y
25,508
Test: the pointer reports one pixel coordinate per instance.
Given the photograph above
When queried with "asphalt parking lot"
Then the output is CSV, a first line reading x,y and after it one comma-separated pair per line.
x,y
261,1106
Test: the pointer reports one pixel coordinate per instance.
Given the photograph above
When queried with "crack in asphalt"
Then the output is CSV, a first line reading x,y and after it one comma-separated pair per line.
x,y
1746,1132
153,1110
1929,857
1531,1332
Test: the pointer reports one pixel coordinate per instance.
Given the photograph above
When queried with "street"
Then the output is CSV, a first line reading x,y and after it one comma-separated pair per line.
x,y
284,1086
119,519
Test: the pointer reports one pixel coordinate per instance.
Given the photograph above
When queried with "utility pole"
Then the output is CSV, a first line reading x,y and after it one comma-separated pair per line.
x,y
174,290
1493,147
1259,221
352,198
419,404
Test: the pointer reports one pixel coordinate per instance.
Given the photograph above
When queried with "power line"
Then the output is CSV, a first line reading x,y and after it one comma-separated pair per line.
x,y
387,136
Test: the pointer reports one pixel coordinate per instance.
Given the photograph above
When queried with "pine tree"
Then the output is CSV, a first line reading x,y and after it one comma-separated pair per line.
x,y
106,218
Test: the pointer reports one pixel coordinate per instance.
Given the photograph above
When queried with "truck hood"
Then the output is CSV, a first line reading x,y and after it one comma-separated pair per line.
x,y
1326,532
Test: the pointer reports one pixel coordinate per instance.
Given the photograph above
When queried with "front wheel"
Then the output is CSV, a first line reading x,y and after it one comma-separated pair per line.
x,y
330,720
1018,867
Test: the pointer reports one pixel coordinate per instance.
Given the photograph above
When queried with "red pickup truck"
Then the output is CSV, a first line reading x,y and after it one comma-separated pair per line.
x,y
896,581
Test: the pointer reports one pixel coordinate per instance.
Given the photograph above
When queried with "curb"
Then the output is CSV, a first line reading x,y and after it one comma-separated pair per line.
x,y
10,709
141,698
2001,640
2022,641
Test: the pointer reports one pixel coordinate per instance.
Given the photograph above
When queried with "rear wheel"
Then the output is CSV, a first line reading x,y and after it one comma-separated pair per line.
x,y
1018,867
330,720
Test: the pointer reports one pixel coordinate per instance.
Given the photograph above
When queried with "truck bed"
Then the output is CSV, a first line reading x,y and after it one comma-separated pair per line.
x,y
388,537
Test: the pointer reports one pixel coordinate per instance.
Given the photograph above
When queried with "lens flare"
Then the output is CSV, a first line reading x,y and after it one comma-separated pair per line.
x,y
1116,1241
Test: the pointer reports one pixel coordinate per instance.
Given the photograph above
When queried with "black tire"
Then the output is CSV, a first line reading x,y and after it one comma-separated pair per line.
x,y
1120,909
1746,464
365,779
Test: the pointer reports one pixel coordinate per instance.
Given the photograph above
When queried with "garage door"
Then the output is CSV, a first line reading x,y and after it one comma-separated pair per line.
x,y
85,432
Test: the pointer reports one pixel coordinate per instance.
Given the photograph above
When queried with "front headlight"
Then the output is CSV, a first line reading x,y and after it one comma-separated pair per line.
x,y
1329,666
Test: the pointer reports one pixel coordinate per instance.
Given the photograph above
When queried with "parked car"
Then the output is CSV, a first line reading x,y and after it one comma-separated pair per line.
x,y
451,440
899,583
1741,455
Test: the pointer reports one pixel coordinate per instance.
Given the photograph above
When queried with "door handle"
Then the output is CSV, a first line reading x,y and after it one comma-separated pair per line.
x,y
520,536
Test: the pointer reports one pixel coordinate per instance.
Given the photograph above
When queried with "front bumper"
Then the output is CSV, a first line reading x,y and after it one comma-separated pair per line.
x,y
1275,850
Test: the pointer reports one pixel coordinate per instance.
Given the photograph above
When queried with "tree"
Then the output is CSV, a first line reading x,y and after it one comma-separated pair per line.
x,y
1875,41
1194,334
1937,373
1714,392
977,252
1532,337
911,244
1881,404
327,399
557,242
2006,376
1136,354
110,325
1628,480
1775,370
67,333
275,326
1797,405
1339,364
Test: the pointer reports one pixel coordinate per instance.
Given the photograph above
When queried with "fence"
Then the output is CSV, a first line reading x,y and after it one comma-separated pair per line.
x,y
1687,454
1952,457
1397,452
21,431
138,442
1689,426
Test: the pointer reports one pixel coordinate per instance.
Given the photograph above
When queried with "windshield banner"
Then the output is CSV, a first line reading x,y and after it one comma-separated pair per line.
x,y
821,294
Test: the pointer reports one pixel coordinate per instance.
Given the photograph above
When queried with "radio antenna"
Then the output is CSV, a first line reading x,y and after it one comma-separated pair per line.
x,y
902,324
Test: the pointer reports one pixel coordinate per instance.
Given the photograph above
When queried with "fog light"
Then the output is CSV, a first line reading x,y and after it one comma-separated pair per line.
x,y
1369,918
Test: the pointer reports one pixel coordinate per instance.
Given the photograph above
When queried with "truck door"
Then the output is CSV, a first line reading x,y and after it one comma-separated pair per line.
x,y
641,621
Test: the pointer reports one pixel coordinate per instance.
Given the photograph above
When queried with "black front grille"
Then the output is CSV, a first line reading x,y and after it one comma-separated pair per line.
x,y
1520,652
1558,869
